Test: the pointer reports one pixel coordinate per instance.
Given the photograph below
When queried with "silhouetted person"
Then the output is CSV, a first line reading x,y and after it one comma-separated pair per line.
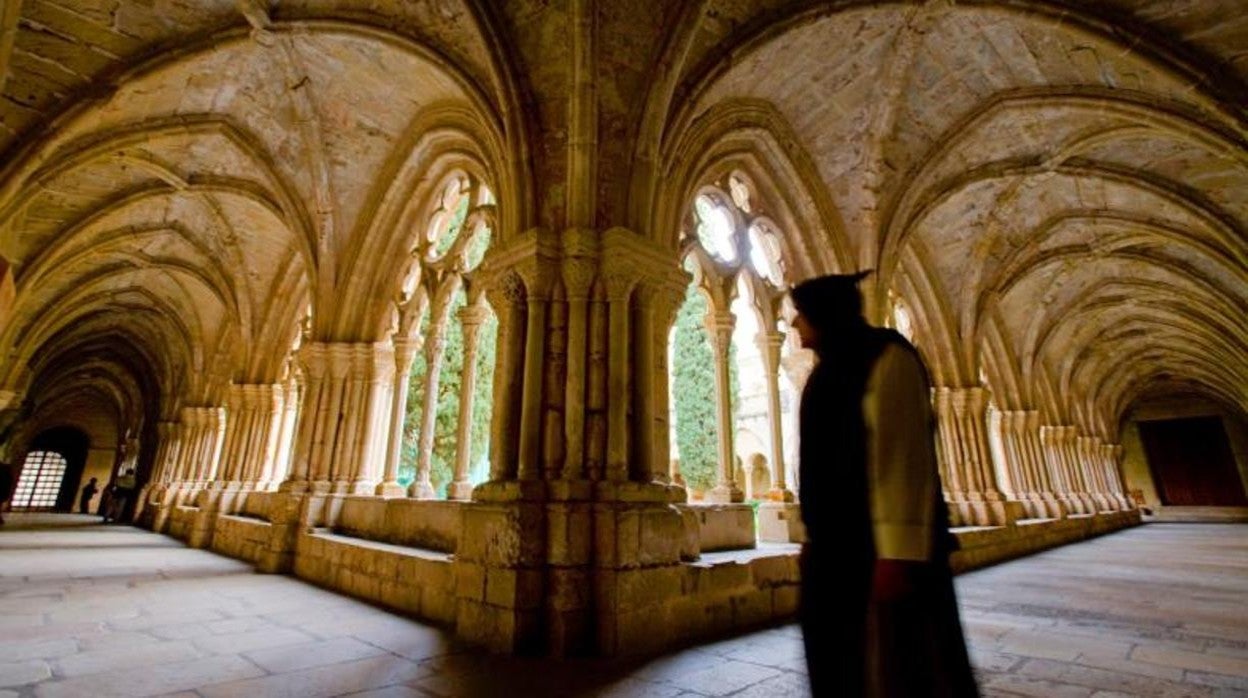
x,y
88,492
878,613
8,481
120,493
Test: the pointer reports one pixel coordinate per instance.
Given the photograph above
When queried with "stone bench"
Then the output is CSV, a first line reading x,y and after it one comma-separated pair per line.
x,y
416,581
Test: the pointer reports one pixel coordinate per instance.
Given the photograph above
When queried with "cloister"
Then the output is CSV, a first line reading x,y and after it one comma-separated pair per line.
x,y
478,310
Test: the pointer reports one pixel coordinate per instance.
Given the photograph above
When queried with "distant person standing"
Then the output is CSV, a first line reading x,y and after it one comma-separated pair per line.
x,y
88,492
123,486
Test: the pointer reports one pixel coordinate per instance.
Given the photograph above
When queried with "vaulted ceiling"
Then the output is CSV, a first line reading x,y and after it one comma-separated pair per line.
x,y
1059,193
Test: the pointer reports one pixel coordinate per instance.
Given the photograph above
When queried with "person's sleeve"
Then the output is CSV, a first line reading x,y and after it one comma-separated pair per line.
x,y
903,475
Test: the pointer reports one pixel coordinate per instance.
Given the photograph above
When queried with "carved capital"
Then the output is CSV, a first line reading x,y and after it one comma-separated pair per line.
x,y
770,345
405,349
578,277
472,316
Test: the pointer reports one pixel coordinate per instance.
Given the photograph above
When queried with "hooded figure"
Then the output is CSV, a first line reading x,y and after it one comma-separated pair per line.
x,y
878,614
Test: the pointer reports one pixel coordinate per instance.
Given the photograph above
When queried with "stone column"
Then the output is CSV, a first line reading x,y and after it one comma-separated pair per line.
x,y
1050,440
377,382
1047,486
1088,450
303,452
770,344
950,458
405,349
470,319
619,286
578,278
798,366
961,417
238,414
720,324
342,417
1023,465
204,447
250,445
1112,455
1068,444
278,469
435,353
667,298
171,443
506,296
271,415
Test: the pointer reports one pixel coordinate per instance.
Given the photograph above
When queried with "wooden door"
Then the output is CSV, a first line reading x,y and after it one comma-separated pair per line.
x,y
1192,463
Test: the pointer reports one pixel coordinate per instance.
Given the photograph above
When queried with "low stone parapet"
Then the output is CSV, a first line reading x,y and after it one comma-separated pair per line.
x,y
241,537
181,521
982,546
255,504
723,526
429,524
722,593
411,580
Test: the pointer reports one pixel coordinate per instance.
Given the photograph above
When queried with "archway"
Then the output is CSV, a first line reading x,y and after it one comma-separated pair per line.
x,y
48,478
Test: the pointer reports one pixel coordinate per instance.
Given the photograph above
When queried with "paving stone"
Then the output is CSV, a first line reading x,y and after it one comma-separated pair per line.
x,y
723,679
254,640
1196,661
337,679
390,692
155,680
310,654
46,649
21,673
1070,634
122,657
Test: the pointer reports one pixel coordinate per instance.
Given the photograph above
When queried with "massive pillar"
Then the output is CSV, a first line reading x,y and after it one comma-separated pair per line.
x,y
1034,455
974,497
344,415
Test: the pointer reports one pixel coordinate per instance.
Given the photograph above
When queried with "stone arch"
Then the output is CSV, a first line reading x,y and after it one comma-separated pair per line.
x,y
750,136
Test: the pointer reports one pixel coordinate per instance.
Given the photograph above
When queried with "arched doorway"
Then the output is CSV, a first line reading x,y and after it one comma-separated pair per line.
x,y
49,473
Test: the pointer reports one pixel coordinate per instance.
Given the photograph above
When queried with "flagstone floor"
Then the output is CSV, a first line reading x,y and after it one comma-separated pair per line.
x,y
90,610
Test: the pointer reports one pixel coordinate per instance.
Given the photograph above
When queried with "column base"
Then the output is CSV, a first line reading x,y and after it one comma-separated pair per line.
x,y
725,494
780,495
293,486
1072,504
364,487
460,491
422,490
390,489
1052,507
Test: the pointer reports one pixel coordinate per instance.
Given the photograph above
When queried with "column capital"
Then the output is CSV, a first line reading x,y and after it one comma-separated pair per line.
x,y
619,281
578,277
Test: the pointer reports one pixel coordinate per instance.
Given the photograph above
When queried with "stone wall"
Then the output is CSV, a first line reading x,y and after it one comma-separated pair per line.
x,y
181,521
430,524
240,537
409,580
705,599
254,504
723,526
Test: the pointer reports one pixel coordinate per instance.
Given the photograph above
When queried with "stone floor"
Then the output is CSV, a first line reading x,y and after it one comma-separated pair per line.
x,y
87,610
